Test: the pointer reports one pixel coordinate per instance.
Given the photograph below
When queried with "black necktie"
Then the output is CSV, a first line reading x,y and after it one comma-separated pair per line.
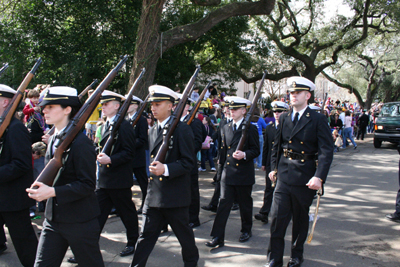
x,y
159,129
234,127
296,118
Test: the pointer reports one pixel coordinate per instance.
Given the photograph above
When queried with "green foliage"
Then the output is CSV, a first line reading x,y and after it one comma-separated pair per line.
x,y
77,40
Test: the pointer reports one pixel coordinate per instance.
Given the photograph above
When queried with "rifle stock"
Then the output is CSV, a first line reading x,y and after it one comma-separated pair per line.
x,y
116,123
8,114
135,119
196,107
65,137
247,120
3,69
90,86
170,126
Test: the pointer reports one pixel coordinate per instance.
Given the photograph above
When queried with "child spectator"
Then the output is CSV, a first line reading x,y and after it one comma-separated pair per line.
x,y
33,117
337,140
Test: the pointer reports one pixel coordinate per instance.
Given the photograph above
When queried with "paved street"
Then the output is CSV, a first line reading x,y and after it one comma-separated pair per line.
x,y
351,231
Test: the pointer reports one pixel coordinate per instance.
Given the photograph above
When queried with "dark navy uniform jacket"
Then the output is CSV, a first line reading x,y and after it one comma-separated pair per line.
x,y
238,172
119,173
269,140
310,136
75,199
16,173
174,190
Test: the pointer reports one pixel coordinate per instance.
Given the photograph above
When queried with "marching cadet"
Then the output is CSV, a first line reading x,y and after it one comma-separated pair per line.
x,y
237,173
197,129
212,206
303,137
269,137
16,175
168,193
72,209
141,143
115,173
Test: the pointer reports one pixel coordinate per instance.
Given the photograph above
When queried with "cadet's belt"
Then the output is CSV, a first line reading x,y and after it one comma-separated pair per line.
x,y
298,156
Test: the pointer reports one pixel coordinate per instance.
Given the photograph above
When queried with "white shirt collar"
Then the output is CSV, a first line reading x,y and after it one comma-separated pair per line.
x,y
111,119
162,123
133,115
238,123
300,113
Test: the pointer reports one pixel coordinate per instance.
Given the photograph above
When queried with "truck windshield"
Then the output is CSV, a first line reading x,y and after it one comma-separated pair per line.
x,y
390,110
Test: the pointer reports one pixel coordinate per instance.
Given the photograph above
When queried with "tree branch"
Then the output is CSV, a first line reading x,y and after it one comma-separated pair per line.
x,y
191,32
206,2
273,77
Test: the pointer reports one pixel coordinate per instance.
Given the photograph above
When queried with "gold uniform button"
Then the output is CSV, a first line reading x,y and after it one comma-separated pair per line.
x,y
290,158
151,178
222,147
227,163
228,155
290,141
301,142
291,150
302,160
272,149
108,166
302,152
160,179
229,147
272,142
237,164
100,164
152,156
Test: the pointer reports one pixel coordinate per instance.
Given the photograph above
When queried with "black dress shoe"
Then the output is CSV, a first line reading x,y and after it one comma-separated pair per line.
x,y
216,242
210,208
128,250
194,224
72,260
3,247
295,262
261,217
393,217
244,237
273,263
235,206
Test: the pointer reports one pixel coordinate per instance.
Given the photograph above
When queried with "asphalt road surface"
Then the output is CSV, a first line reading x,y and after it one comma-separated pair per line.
x,y
351,231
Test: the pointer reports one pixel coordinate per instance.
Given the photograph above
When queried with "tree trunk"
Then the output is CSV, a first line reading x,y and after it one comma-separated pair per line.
x,y
147,50
151,43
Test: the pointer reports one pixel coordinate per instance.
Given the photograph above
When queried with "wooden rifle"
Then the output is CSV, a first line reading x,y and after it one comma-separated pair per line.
x,y
135,119
3,69
67,136
8,114
192,113
90,86
120,117
170,126
247,121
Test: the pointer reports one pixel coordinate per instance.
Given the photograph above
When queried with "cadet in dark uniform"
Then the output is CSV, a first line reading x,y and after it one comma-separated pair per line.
x,y
213,205
16,175
141,142
168,193
302,135
237,173
197,129
72,208
269,137
363,121
115,173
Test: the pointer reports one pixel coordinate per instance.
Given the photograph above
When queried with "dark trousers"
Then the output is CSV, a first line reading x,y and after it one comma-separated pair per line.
x,y
217,193
268,193
194,208
22,235
141,176
245,201
83,238
153,221
361,131
121,199
289,202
